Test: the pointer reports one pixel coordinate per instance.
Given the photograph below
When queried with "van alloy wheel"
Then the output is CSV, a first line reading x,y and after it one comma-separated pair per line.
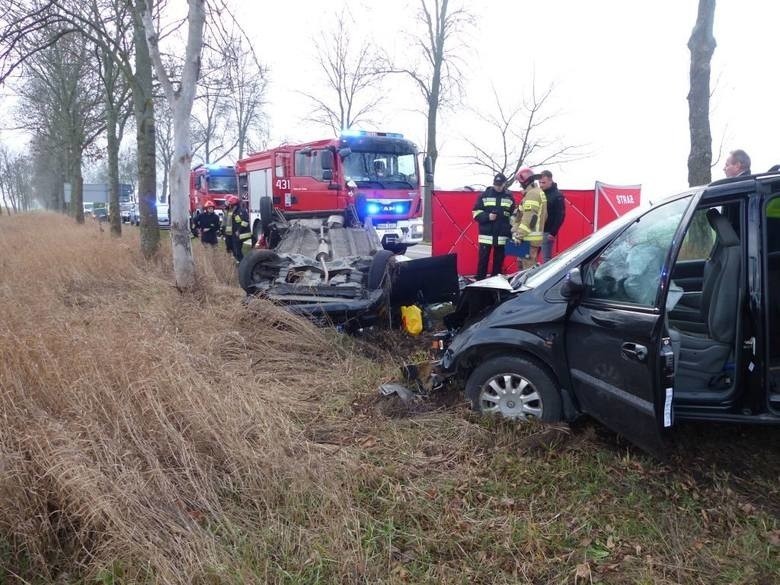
x,y
511,396
517,387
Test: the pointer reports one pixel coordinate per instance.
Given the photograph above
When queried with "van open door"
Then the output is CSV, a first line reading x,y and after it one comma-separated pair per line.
x,y
619,349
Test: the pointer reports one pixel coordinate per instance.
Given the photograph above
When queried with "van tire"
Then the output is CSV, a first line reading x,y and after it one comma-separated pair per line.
x,y
379,269
528,380
250,269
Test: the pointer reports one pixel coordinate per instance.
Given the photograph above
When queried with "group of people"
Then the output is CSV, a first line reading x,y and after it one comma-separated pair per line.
x,y
234,227
535,221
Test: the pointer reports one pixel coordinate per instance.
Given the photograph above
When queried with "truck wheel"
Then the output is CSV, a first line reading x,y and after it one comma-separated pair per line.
x,y
379,269
266,213
514,387
256,267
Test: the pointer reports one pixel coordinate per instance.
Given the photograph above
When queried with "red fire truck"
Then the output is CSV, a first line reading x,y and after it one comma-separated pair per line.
x,y
211,183
376,172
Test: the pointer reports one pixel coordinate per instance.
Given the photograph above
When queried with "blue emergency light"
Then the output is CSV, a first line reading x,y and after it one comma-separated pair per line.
x,y
355,133
373,208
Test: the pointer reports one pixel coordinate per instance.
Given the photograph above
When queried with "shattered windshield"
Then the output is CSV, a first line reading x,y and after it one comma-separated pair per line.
x,y
381,170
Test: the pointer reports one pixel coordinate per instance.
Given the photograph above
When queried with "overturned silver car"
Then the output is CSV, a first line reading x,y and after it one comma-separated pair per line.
x,y
337,274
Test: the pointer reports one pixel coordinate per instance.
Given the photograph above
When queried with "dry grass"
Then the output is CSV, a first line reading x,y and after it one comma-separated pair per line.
x,y
149,437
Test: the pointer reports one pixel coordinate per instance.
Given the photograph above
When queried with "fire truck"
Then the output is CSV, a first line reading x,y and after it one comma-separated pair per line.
x,y
211,183
374,174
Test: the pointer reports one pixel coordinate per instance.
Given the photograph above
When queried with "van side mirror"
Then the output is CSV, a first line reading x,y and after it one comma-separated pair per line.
x,y
326,160
572,284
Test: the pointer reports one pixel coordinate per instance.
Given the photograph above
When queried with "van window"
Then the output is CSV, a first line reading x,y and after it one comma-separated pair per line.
x,y
629,269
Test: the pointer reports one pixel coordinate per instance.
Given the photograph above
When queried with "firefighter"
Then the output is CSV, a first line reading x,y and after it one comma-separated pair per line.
x,y
227,223
207,225
493,211
240,224
528,221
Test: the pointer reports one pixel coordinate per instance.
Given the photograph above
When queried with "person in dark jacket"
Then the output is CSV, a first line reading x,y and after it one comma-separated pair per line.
x,y
207,224
241,233
737,164
492,212
556,213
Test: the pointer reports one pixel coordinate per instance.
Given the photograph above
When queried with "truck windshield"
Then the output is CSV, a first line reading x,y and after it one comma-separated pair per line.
x,y
382,170
223,184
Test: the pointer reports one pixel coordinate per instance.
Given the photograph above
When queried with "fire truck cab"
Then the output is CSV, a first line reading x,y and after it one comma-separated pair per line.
x,y
373,173
211,183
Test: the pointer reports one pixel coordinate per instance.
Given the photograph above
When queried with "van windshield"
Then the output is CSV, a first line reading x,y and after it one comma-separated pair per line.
x,y
538,275
381,170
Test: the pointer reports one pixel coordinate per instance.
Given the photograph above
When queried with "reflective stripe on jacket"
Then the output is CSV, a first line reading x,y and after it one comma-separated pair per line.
x,y
528,222
241,224
498,231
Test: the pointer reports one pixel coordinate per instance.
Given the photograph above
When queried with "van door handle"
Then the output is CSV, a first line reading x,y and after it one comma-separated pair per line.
x,y
634,351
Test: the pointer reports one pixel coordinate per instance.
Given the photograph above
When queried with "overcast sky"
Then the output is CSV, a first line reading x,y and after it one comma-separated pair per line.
x,y
619,72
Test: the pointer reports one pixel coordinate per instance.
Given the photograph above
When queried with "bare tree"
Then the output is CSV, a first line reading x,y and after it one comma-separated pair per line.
x,y
180,100
61,101
23,18
702,46
213,132
246,80
164,138
351,73
516,137
16,180
438,77
116,93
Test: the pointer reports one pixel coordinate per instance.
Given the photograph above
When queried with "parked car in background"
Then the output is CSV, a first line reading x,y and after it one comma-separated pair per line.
x,y
100,214
163,216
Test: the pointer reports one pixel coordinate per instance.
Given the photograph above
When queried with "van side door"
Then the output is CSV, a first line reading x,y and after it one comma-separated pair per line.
x,y
617,344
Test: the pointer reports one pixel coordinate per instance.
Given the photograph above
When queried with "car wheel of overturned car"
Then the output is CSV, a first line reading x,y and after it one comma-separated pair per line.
x,y
514,387
256,267
379,269
266,213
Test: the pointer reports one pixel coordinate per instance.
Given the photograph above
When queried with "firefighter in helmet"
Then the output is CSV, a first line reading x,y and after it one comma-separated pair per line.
x,y
528,220
239,221
227,223
207,224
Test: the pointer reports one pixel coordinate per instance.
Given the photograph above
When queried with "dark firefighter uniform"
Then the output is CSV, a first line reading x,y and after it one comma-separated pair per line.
x,y
207,224
241,232
493,233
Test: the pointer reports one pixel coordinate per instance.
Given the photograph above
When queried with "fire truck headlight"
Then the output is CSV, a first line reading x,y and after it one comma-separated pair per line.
x,y
373,208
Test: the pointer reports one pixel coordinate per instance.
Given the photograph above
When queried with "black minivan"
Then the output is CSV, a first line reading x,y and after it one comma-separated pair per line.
x,y
669,313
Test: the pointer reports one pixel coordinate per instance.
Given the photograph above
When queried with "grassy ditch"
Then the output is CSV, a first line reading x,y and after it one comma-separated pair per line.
x,y
149,437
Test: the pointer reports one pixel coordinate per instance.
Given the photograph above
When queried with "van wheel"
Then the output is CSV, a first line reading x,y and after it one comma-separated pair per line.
x,y
516,388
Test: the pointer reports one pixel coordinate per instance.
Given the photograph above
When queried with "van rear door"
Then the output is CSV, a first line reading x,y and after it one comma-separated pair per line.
x,y
618,347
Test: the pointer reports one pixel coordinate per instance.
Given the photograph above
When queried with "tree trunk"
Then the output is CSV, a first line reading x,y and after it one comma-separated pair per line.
x,y
112,144
702,46
143,96
180,102
77,189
